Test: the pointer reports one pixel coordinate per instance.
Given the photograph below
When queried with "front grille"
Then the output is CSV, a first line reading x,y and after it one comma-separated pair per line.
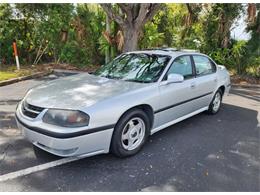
x,y
31,110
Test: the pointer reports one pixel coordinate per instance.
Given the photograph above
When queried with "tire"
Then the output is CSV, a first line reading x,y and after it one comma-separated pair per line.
x,y
215,104
130,134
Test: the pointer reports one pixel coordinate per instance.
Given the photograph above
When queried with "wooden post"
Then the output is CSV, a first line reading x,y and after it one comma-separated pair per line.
x,y
16,55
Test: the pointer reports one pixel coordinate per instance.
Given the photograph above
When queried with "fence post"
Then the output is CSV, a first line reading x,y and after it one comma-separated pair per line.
x,y
16,55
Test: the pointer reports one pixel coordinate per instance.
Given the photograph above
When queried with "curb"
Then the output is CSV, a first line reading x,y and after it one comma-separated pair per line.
x,y
68,71
249,86
15,80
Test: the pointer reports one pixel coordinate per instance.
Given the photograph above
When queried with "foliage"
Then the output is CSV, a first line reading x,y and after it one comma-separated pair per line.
x,y
7,32
151,37
72,33
82,46
170,27
217,22
73,53
252,54
48,32
105,46
253,66
231,57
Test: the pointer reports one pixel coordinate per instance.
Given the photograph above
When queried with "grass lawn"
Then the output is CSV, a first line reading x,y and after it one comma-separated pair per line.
x,y
11,72
7,75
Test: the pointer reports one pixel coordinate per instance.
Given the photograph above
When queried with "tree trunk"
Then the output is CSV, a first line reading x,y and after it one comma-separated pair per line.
x,y
131,18
108,29
131,35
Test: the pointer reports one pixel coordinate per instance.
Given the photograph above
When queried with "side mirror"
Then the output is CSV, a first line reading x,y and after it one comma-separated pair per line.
x,y
175,78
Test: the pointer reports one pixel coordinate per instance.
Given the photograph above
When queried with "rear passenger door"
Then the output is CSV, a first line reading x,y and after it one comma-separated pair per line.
x,y
206,79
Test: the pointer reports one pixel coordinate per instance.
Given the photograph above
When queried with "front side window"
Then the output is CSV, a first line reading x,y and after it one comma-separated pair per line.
x,y
182,65
203,65
136,67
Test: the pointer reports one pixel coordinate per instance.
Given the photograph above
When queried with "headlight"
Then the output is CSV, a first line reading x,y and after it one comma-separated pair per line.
x,y
66,118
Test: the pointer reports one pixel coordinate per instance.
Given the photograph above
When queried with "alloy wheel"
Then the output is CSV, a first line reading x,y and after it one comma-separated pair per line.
x,y
216,102
133,133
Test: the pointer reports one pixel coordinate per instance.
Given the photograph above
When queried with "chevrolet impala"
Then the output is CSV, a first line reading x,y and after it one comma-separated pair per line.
x,y
117,107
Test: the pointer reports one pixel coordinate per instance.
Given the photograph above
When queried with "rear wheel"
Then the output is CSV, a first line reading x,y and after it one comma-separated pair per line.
x,y
130,133
215,103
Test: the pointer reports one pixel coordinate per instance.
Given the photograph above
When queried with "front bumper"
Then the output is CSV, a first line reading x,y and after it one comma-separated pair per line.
x,y
89,141
98,142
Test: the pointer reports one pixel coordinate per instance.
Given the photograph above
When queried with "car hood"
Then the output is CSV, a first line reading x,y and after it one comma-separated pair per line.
x,y
75,92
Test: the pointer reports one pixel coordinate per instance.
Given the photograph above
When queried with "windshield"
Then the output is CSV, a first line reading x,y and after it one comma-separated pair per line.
x,y
137,67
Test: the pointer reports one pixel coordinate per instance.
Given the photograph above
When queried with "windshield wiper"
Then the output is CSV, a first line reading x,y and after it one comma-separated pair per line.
x,y
110,77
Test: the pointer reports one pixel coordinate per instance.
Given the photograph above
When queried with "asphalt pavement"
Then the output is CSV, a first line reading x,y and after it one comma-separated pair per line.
x,y
203,153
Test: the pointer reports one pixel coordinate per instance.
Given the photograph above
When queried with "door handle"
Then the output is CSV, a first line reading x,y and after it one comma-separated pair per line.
x,y
215,79
192,85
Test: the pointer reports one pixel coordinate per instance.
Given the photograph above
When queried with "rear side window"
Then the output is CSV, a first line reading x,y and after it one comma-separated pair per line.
x,y
203,65
183,66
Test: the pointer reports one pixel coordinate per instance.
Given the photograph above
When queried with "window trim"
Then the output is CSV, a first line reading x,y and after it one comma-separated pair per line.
x,y
164,78
210,60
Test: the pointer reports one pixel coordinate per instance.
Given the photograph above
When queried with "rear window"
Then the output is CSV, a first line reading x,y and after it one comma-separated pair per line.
x,y
203,65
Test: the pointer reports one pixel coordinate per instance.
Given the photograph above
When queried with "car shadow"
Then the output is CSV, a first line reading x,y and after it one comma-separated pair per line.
x,y
203,153
15,152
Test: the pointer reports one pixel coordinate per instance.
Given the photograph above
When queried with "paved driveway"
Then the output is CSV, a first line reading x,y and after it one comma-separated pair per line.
x,y
203,153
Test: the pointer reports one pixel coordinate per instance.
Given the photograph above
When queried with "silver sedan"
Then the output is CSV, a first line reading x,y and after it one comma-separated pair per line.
x,y
116,108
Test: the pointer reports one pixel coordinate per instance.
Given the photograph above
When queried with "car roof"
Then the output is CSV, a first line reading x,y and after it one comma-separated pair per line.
x,y
173,52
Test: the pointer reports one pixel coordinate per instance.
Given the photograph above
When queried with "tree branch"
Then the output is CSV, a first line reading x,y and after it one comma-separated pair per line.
x,y
189,8
142,13
127,9
153,9
111,13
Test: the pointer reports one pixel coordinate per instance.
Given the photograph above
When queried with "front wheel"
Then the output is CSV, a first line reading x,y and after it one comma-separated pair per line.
x,y
130,133
215,103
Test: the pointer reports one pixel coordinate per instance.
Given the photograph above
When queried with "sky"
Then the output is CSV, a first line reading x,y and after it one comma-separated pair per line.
x,y
239,32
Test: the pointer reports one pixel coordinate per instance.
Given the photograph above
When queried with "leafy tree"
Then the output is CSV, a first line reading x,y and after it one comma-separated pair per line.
x,y
151,37
238,51
174,26
6,33
252,54
54,27
86,28
217,22
76,33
